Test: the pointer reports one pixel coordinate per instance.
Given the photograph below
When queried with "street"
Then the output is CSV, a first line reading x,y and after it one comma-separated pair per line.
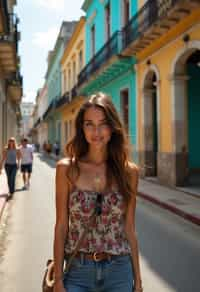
x,y
169,246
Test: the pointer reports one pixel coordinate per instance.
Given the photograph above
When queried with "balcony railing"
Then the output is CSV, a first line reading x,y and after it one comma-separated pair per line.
x,y
15,79
37,122
74,92
11,34
148,15
111,48
63,100
50,107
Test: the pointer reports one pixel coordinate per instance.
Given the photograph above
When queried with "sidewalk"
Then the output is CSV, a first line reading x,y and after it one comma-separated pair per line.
x,y
178,202
3,192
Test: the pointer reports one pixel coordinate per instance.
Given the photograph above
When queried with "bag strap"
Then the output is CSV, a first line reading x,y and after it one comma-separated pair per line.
x,y
86,229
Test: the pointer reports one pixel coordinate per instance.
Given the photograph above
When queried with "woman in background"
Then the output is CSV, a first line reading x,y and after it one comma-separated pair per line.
x,y
10,159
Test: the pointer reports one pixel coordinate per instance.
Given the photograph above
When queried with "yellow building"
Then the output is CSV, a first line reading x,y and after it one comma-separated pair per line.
x,y
72,63
165,38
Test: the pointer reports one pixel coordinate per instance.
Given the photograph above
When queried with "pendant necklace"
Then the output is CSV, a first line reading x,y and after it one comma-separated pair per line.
x,y
97,181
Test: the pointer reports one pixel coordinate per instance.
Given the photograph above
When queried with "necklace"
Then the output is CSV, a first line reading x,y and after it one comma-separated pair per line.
x,y
97,182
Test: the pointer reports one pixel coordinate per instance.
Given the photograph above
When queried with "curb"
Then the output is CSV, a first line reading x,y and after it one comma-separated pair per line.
x,y
171,208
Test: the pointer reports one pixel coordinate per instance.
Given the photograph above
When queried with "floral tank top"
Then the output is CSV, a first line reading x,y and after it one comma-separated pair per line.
x,y
107,233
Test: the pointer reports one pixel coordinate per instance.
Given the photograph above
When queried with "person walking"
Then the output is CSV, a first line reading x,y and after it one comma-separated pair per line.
x,y
10,159
26,151
96,180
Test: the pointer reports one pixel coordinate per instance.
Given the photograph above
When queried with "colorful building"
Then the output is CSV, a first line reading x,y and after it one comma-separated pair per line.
x,y
10,78
53,81
165,38
72,62
106,68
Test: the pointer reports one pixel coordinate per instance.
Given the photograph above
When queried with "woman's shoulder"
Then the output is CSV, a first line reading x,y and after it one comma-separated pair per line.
x,y
65,162
132,169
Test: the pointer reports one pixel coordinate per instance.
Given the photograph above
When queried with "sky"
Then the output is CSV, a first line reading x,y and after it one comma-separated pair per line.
x,y
40,22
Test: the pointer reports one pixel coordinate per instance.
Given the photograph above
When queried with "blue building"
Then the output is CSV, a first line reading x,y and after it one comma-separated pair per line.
x,y
106,68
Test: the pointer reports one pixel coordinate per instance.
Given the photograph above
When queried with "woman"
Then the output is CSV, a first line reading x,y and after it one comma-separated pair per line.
x,y
10,157
107,258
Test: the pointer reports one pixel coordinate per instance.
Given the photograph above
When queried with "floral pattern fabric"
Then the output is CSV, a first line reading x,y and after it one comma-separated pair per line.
x,y
107,233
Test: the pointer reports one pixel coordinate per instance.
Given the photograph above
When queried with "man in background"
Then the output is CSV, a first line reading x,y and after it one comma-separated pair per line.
x,y
26,162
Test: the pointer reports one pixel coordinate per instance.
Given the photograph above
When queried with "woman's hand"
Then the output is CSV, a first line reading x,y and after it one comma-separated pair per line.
x,y
59,287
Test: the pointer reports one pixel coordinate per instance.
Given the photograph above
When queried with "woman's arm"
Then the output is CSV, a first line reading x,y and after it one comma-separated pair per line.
x,y
61,226
131,232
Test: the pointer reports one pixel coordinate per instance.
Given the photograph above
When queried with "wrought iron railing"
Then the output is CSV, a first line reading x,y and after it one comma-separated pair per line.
x,y
74,91
37,122
49,108
112,47
149,14
63,100
11,34
15,79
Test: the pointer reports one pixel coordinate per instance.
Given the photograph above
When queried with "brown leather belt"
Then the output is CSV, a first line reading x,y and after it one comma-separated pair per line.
x,y
96,256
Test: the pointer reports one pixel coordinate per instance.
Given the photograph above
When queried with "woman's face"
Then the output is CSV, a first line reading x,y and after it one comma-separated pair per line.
x,y
96,129
11,143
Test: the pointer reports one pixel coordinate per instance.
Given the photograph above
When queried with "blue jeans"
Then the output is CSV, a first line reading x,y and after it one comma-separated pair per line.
x,y
11,170
115,275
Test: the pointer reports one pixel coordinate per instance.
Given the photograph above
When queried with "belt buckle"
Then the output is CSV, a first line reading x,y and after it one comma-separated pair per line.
x,y
95,258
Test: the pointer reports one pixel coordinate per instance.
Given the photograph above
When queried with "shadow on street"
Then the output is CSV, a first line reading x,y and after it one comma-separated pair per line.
x,y
45,158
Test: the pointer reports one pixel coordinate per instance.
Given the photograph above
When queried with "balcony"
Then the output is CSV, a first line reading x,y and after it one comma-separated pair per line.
x,y
48,110
153,20
15,87
110,49
74,92
8,46
106,64
37,123
65,99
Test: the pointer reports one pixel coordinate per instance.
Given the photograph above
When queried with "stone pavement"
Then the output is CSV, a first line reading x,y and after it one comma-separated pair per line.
x,y
174,200
3,191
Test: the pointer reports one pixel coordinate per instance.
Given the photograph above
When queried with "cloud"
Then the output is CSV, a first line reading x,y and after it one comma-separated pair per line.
x,y
46,39
52,4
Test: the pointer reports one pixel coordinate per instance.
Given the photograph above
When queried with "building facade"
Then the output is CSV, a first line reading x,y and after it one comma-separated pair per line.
x,y
106,69
10,78
53,82
165,38
27,109
72,63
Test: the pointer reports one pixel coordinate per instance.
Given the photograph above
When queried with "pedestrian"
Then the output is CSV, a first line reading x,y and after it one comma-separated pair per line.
x,y
10,160
26,151
56,148
48,148
96,179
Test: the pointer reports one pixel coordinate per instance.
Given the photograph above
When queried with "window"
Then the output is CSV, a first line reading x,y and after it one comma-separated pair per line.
x,y
66,131
80,60
126,12
124,95
74,73
107,21
69,79
92,40
64,81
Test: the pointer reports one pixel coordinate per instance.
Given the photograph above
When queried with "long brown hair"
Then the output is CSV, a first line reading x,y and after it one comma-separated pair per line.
x,y
118,145
11,139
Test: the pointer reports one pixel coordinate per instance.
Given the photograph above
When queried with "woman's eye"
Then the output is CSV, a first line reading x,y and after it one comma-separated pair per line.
x,y
88,124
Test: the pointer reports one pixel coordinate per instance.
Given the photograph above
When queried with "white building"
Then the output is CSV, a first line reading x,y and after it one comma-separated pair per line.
x,y
26,112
